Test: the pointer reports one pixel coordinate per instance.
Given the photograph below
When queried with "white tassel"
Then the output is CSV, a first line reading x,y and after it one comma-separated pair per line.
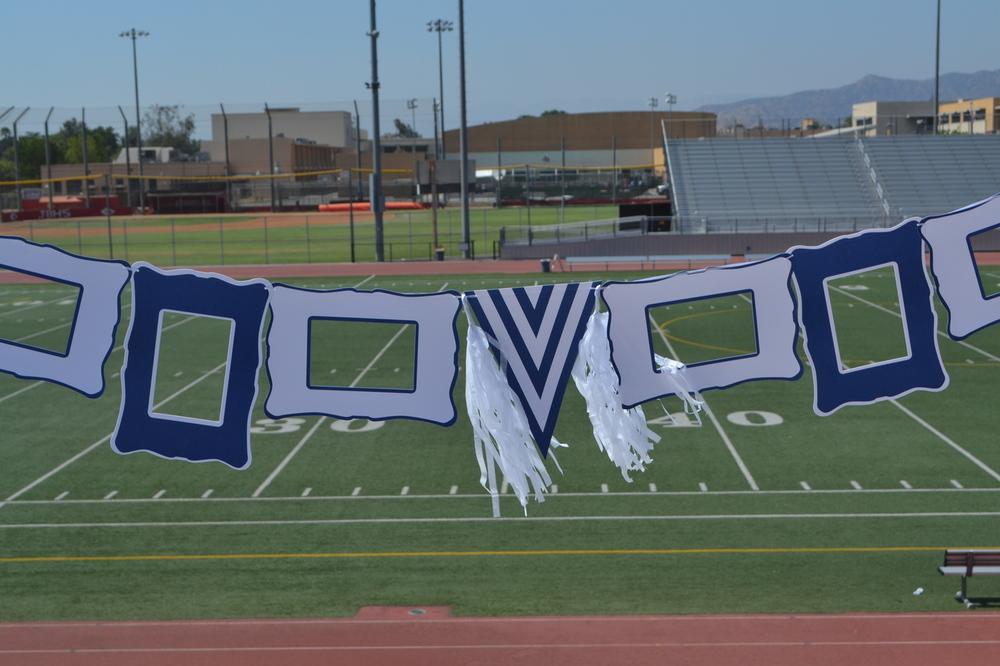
x,y
500,427
621,433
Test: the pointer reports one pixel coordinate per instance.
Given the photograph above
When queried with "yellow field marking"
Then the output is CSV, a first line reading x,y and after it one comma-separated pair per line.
x,y
482,553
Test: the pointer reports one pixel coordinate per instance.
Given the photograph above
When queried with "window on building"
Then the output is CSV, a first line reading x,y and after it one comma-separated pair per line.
x,y
980,114
966,116
956,117
943,119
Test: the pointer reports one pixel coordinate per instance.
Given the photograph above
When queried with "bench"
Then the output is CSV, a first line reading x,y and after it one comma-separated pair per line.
x,y
967,563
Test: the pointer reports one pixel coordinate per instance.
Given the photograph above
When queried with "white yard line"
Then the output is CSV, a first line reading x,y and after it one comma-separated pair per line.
x,y
805,486
702,491
856,485
711,415
944,335
490,519
111,495
32,307
302,442
69,461
947,440
207,493
956,484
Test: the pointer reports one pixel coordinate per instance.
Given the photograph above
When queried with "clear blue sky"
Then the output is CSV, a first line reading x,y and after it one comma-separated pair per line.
x,y
523,56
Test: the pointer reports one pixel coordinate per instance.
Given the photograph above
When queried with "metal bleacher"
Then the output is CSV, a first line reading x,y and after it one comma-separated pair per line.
x,y
774,184
928,175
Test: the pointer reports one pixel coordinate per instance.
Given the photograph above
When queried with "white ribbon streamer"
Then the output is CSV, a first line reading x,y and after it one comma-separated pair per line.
x,y
621,433
500,427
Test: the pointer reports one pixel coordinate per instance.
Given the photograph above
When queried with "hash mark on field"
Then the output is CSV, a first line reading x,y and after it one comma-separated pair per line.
x,y
956,484
306,491
970,361
805,486
356,491
855,485
114,375
652,487
178,373
453,490
905,484
703,487
207,494
111,495
160,493
554,489
504,486
604,487
405,490
62,495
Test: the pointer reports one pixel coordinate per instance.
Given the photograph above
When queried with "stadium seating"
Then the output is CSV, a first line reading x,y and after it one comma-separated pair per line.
x,y
827,184
772,184
927,175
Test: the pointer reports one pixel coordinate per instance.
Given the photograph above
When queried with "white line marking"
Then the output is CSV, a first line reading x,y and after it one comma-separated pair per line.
x,y
652,487
553,489
61,495
944,438
302,442
956,483
905,484
475,496
207,494
939,332
855,485
160,493
504,486
111,495
711,415
805,486
709,517
453,490
405,490
32,306
306,491
356,491
604,488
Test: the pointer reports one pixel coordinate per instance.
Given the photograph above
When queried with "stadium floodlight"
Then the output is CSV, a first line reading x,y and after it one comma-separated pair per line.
x,y
134,34
439,26
653,103
670,99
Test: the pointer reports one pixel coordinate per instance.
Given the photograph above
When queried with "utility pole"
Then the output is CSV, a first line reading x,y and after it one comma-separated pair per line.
x,y
937,66
134,34
48,157
463,134
411,104
225,140
439,26
128,161
270,153
17,159
375,194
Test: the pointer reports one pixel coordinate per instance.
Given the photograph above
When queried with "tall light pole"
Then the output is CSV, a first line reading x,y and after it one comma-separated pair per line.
x,y
375,189
653,103
439,26
463,134
937,66
670,99
411,104
134,34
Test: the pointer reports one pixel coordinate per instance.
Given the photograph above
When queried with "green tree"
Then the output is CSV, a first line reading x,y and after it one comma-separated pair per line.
x,y
404,130
163,125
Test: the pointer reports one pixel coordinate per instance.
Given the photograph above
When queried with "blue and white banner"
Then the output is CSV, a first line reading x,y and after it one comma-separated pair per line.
x,y
523,343
536,332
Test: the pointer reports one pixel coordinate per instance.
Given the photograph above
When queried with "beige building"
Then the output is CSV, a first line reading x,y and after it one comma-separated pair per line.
x,y
878,118
970,116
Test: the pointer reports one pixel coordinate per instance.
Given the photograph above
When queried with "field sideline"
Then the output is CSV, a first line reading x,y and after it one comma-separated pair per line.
x,y
762,507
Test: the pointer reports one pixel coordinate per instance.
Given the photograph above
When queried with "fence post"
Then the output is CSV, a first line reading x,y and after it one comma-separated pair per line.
x,y
308,243
107,214
267,249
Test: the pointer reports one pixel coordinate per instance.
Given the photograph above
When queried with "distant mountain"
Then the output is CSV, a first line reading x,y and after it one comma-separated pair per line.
x,y
830,104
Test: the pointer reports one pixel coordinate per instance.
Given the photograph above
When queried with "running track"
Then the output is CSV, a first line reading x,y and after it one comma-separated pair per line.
x,y
388,635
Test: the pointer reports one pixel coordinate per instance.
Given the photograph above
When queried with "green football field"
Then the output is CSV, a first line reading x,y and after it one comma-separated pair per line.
x,y
211,240
761,507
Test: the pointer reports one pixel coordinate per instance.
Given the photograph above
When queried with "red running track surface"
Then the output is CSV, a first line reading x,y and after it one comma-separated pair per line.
x,y
437,639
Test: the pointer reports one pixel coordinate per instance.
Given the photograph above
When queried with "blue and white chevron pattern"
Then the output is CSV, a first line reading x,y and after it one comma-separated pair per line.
x,y
537,331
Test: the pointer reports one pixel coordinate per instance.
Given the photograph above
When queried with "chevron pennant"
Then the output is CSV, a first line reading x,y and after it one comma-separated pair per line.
x,y
536,331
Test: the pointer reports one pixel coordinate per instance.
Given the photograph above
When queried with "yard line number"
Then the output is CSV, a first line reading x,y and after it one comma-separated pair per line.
x,y
289,425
